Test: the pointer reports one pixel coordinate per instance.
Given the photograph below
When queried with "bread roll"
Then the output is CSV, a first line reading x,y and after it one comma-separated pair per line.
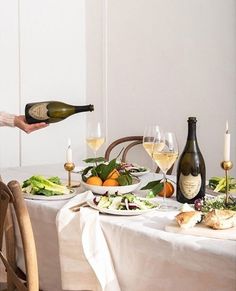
x,y
220,219
188,219
186,208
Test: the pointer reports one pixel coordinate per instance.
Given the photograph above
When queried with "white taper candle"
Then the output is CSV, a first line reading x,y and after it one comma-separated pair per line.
x,y
227,144
69,152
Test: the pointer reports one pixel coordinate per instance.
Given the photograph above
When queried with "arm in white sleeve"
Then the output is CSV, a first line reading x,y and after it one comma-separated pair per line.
x,y
6,119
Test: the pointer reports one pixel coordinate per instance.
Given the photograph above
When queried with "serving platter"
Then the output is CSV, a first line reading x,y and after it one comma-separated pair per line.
x,y
202,230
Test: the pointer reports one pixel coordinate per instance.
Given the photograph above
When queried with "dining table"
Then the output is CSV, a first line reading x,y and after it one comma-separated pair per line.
x,y
90,250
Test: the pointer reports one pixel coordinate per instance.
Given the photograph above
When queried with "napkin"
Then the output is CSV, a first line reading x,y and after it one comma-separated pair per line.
x,y
76,272
96,249
85,259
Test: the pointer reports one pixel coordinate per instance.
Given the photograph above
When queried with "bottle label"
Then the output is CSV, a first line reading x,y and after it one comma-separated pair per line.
x,y
39,111
190,185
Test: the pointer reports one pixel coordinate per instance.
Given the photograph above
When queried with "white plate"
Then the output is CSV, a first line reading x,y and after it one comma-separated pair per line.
x,y
78,169
139,174
50,198
120,212
211,192
112,189
129,167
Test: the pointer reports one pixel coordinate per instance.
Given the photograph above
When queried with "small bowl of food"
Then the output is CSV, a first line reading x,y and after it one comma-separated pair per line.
x,y
135,169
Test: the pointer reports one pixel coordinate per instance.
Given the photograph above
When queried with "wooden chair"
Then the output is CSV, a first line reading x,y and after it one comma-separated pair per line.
x,y
12,203
132,141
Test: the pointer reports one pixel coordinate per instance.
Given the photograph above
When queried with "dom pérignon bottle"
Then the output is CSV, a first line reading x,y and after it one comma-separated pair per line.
x,y
191,172
52,111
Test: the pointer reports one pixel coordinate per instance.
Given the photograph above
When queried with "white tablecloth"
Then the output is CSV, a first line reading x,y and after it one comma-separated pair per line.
x,y
85,258
144,255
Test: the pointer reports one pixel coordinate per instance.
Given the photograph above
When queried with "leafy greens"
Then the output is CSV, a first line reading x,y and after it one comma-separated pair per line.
x,y
39,185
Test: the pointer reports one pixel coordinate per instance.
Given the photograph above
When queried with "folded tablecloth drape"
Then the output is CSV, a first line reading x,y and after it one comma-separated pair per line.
x,y
84,256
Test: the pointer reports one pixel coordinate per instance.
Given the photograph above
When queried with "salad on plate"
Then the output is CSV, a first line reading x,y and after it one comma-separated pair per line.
x,y
125,204
218,185
39,185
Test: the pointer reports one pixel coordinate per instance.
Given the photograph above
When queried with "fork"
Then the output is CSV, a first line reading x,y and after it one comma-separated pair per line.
x,y
77,207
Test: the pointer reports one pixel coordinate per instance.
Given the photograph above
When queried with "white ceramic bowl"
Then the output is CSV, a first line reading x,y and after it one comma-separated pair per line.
x,y
112,189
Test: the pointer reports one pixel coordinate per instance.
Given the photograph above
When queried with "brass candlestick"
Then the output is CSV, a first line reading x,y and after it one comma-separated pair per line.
x,y
226,166
69,167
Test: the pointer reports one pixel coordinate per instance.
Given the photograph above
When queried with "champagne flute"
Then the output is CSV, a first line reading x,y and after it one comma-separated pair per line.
x,y
95,136
165,153
150,133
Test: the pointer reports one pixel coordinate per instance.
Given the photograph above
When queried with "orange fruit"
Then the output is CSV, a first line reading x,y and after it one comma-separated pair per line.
x,y
94,180
114,174
168,189
110,182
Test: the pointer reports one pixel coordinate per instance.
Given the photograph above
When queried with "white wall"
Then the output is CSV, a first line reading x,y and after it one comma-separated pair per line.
x,y
53,67
96,63
167,60
155,61
43,57
9,79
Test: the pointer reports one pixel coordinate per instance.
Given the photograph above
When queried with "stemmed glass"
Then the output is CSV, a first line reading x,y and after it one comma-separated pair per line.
x,y
165,153
95,136
150,133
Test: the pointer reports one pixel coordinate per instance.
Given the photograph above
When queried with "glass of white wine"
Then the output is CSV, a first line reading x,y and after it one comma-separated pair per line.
x,y
150,134
95,136
165,153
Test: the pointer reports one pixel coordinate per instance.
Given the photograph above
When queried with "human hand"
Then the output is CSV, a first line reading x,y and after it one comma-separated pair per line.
x,y
20,122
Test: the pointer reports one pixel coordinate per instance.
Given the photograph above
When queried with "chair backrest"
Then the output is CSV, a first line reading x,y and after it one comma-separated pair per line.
x,y
12,204
130,141
133,141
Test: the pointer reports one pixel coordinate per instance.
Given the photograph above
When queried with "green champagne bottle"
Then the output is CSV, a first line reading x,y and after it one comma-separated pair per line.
x,y
191,172
52,111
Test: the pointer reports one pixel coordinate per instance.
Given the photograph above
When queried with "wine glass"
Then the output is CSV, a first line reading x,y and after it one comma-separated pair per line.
x,y
165,153
150,133
95,136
